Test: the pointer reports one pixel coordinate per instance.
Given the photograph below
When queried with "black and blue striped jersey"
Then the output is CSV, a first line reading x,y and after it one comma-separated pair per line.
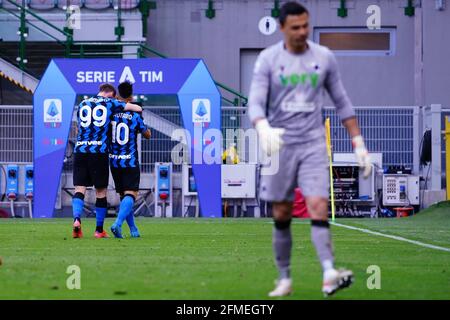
x,y
123,151
94,116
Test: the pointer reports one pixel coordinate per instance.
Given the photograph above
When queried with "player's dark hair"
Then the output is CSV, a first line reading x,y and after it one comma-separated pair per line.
x,y
106,87
291,8
125,89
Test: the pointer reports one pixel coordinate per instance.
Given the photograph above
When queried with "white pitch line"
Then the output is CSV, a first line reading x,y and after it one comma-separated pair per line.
x,y
422,244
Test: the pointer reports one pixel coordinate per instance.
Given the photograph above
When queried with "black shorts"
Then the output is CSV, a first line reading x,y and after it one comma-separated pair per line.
x,y
91,169
126,179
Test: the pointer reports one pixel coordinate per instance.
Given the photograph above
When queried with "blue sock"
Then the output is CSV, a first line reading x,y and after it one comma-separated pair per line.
x,y
101,207
126,206
77,205
130,220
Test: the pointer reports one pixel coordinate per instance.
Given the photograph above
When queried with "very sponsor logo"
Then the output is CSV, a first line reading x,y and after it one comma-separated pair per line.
x,y
295,79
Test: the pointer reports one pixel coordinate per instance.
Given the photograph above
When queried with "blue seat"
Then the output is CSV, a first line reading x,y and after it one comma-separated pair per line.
x,y
63,4
9,5
97,4
126,4
42,4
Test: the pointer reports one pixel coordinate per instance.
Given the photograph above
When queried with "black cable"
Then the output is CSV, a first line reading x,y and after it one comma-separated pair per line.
x,y
409,201
178,203
380,201
68,154
142,199
425,157
187,209
426,179
4,192
425,187
425,151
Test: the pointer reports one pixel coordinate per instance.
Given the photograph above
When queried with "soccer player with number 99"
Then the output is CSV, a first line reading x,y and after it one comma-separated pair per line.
x,y
91,165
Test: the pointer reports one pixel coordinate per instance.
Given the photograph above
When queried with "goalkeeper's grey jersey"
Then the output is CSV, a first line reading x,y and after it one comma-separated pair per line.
x,y
289,90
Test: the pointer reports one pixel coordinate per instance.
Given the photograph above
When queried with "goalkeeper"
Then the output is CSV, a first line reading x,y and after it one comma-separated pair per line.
x,y
285,105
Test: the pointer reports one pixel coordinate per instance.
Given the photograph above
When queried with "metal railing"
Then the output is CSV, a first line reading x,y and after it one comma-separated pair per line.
x,y
159,147
23,30
393,131
74,49
16,134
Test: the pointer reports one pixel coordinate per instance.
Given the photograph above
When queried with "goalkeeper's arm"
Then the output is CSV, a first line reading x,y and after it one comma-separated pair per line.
x,y
361,153
270,138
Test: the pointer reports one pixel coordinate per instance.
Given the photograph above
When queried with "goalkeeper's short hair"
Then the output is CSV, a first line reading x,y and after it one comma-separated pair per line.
x,y
125,89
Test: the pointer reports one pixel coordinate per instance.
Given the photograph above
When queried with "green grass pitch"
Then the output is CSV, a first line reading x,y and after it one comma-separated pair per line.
x,y
219,259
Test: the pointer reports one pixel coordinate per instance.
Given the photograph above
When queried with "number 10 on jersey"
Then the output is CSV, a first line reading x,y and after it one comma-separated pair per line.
x,y
116,133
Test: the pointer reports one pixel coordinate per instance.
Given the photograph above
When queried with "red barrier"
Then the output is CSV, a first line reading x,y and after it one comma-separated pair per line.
x,y
299,209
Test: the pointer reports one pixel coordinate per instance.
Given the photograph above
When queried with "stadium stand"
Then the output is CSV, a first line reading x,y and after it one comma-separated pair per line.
x,y
8,5
126,4
63,4
42,4
97,4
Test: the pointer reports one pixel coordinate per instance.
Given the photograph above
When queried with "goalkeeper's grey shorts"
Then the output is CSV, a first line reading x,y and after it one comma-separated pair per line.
x,y
305,165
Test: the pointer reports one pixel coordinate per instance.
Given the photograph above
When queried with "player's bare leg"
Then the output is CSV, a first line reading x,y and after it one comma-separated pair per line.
x,y
77,207
333,280
282,245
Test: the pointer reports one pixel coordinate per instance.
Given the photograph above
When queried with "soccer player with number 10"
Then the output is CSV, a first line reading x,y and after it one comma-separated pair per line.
x,y
91,163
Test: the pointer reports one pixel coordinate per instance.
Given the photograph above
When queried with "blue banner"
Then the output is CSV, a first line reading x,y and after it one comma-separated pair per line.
x,y
149,76
189,79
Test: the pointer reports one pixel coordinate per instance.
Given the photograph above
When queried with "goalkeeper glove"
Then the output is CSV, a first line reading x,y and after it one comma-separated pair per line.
x,y
269,138
362,155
